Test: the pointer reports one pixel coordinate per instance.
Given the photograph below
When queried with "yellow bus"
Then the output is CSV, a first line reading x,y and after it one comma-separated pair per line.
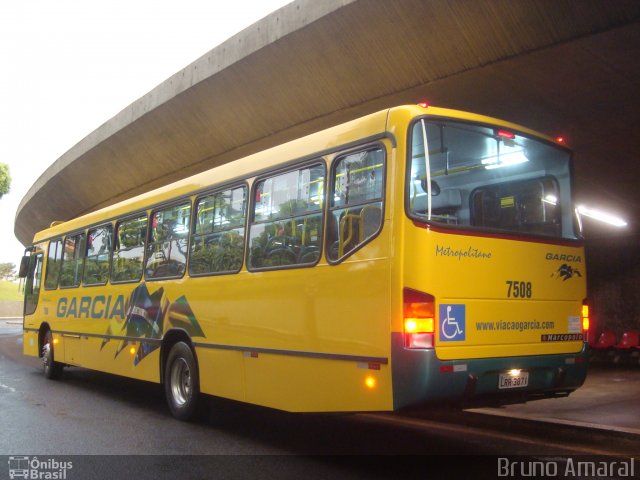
x,y
413,255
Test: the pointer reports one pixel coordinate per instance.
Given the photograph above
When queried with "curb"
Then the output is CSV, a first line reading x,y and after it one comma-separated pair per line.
x,y
558,421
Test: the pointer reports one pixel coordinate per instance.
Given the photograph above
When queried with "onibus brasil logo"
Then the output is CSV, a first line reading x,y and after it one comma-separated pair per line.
x,y
37,469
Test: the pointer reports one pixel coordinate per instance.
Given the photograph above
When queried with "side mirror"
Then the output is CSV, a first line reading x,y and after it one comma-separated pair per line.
x,y
24,267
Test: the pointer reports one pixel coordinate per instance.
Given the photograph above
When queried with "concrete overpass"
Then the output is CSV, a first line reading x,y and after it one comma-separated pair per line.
x,y
561,66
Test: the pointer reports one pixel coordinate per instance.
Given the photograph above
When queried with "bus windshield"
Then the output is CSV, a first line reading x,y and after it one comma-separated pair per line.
x,y
490,179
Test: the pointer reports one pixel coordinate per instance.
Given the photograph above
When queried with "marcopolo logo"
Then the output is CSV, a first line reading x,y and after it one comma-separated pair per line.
x,y
38,469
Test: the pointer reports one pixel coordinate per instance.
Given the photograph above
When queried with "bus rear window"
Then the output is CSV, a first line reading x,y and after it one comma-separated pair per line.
x,y
489,179
526,206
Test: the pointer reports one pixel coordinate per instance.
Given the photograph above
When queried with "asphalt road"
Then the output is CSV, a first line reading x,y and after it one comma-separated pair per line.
x,y
90,413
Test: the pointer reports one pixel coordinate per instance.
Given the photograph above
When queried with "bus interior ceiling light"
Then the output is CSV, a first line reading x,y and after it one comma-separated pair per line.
x,y
601,216
505,160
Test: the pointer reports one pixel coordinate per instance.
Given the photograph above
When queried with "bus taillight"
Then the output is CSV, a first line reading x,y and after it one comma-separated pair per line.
x,y
419,323
585,319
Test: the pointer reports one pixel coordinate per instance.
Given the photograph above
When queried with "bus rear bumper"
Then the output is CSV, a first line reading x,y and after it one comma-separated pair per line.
x,y
420,377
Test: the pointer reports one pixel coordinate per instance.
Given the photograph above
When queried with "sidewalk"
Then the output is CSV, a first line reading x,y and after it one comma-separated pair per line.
x,y
608,400
11,326
11,309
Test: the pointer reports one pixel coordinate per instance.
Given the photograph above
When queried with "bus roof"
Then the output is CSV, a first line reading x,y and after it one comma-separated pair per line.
x,y
312,145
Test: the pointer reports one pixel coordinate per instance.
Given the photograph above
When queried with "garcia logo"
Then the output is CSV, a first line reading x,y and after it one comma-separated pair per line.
x,y
33,468
565,272
97,307
563,258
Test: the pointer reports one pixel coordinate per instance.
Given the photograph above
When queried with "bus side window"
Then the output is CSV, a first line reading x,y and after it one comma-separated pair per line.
x,y
128,253
167,247
355,213
72,260
96,267
287,219
217,243
54,262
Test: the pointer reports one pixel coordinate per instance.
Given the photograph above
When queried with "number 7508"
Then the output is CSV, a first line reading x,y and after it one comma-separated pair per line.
x,y
518,289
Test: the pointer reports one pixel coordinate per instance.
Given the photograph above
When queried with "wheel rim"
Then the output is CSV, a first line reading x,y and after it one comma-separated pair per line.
x,y
180,382
46,355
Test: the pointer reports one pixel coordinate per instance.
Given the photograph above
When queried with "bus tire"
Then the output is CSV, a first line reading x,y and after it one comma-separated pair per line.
x,y
182,383
51,368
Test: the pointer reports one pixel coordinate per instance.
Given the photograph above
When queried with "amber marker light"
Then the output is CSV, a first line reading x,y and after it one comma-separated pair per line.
x,y
421,325
55,341
585,317
132,350
410,325
370,382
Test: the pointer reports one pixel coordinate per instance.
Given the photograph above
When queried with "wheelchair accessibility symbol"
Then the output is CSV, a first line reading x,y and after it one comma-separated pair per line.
x,y
452,323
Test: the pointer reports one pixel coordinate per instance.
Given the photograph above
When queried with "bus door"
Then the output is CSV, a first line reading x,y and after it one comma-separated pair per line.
x,y
31,271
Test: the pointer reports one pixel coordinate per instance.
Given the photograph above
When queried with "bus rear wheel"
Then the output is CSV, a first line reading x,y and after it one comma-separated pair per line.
x,y
181,383
51,368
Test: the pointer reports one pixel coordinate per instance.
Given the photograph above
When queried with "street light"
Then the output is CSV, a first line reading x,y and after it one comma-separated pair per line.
x,y
601,216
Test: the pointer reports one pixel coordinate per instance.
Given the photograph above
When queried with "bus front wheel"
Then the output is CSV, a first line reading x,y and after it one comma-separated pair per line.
x,y
51,368
181,382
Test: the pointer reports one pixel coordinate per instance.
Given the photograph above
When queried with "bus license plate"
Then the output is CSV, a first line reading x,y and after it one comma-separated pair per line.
x,y
513,381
